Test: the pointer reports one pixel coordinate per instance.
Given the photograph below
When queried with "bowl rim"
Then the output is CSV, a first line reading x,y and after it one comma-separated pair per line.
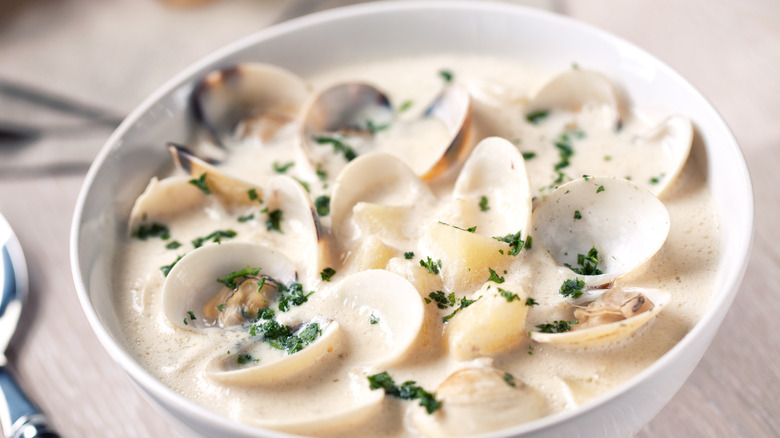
x,y
716,308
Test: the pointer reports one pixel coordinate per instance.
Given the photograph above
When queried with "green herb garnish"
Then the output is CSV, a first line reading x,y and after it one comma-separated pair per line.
x,y
246,218
246,358
509,379
515,242
339,147
407,391
469,229
464,302
537,116
216,236
529,155
405,106
577,214
253,196
282,168
530,302
408,255
291,295
373,319
167,268
244,273
431,266
145,231
495,277
572,288
587,263
483,203
200,183
600,189
509,295
556,327
446,75
322,204
173,245
273,223
442,300
327,273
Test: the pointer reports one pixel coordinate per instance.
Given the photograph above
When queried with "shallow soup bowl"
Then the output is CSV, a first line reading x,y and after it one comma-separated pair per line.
x,y
136,152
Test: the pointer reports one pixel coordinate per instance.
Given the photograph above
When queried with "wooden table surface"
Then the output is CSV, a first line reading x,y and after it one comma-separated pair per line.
x,y
72,69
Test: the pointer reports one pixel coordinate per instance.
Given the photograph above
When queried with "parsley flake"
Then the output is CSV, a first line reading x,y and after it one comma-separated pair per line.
x,y
282,168
408,255
216,236
273,223
577,214
495,277
510,380
431,266
242,274
200,183
339,147
509,295
446,75
483,203
407,391
173,245
572,288
515,242
588,263
145,231
322,204
556,327
537,116
600,189
327,273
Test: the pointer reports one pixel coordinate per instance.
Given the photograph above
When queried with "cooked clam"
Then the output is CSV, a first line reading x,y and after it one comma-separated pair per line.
x,y
321,418
672,138
614,315
202,274
380,180
492,191
247,100
163,198
480,400
359,117
260,363
576,89
387,305
600,228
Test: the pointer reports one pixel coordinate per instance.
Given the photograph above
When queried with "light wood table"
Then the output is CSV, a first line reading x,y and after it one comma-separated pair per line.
x,y
107,56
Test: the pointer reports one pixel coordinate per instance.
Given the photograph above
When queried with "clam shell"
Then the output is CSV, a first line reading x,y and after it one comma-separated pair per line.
x,y
222,369
479,400
193,280
575,89
612,332
624,222
673,138
495,170
164,198
245,93
394,303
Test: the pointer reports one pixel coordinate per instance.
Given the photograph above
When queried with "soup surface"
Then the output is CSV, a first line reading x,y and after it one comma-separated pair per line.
x,y
411,290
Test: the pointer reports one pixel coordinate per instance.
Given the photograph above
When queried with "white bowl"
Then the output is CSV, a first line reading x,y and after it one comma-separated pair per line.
x,y
136,152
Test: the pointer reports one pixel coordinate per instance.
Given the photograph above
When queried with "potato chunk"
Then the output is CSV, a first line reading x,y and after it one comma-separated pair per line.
x,y
493,324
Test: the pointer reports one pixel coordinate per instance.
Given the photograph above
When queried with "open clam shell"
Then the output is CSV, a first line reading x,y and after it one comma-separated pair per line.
x,y
322,418
377,179
192,281
361,117
623,222
672,138
576,89
258,98
603,334
273,365
492,190
300,227
164,198
392,303
479,400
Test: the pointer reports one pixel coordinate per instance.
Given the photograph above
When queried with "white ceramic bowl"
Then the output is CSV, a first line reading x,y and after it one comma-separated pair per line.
x,y
136,152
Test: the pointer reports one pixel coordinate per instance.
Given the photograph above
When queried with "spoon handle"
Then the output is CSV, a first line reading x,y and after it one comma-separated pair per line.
x,y
20,417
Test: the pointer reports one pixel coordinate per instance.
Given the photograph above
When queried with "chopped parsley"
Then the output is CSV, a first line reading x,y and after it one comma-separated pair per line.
x,y
221,307
244,273
405,105
200,183
173,245
291,295
145,231
464,302
509,295
373,319
327,273
339,147
273,223
304,184
537,116
442,301
572,288
408,255
407,391
282,337
469,229
246,218
600,189
431,266
529,155
373,128
216,236
253,196
167,268
530,302
556,327
587,263
577,214
483,203
245,359
191,315
515,242
495,277
321,174
322,204
282,168
510,380
446,75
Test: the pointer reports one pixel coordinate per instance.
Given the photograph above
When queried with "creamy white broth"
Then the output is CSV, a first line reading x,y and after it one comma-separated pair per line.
x,y
565,377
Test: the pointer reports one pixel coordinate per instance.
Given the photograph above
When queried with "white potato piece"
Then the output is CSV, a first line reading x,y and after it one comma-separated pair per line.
x,y
495,323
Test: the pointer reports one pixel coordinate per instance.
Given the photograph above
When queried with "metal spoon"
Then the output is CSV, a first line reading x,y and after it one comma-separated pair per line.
x,y
20,418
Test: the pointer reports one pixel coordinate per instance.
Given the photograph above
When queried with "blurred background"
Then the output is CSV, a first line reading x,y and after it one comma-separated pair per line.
x,y
70,70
